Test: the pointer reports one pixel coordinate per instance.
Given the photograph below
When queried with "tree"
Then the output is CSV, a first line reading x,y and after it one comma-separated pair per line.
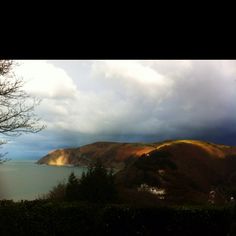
x,y
97,185
57,193
16,106
72,188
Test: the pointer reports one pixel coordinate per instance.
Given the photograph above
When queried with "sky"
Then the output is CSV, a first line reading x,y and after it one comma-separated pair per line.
x,y
84,101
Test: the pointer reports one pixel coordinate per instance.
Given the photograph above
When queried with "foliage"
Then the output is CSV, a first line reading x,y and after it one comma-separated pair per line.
x,y
57,193
96,185
67,218
72,188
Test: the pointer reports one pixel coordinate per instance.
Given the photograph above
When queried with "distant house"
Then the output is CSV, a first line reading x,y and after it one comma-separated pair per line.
x,y
211,198
160,192
161,172
232,199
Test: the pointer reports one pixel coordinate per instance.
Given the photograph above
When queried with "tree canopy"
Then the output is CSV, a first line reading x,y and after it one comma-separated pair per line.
x,y
97,184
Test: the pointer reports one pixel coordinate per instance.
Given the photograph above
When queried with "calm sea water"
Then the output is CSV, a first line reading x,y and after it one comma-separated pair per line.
x,y
26,180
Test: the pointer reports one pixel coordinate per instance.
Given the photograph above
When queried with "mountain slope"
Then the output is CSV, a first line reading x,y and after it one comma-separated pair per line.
x,y
111,153
116,153
183,169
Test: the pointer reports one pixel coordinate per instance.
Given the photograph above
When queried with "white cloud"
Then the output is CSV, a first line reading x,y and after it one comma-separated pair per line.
x,y
129,70
45,80
136,96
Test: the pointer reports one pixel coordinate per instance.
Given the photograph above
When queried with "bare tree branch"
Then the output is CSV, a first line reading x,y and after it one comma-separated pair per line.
x,y
16,106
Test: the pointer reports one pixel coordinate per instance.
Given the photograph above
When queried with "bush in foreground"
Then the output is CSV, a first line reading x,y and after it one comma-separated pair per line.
x,y
67,218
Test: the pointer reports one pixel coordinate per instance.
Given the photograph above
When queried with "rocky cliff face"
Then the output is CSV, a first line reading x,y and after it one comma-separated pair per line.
x,y
112,154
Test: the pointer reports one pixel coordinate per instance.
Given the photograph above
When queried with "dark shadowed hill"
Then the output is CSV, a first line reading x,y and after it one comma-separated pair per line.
x,y
185,170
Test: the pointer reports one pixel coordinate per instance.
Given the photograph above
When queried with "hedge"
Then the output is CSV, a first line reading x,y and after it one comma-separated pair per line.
x,y
48,218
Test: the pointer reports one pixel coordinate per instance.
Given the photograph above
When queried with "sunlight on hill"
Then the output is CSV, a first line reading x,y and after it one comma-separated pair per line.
x,y
60,161
144,150
207,147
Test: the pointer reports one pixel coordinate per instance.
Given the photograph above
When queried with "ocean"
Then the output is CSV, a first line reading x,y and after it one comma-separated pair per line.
x,y
26,180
